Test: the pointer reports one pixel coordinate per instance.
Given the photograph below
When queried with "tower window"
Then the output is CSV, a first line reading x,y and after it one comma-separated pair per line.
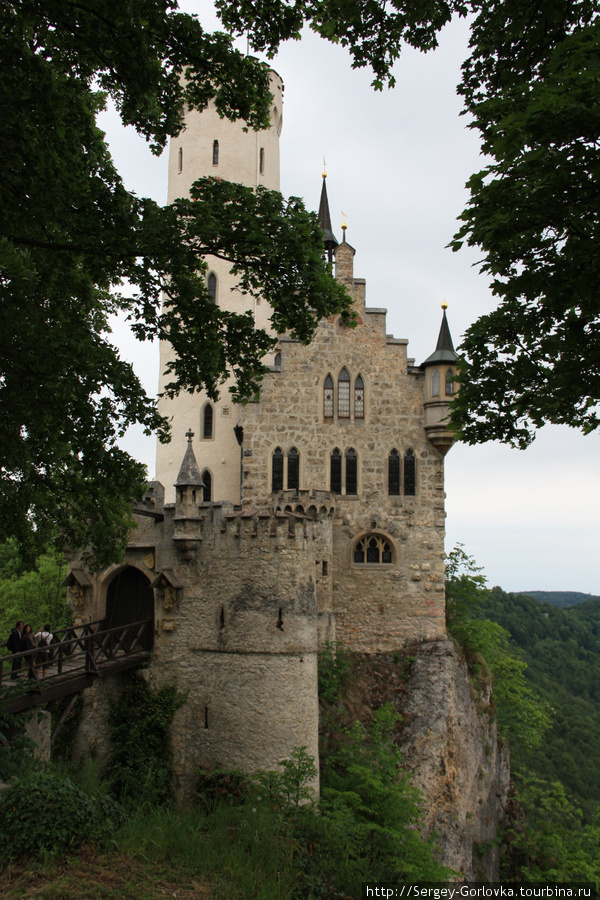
x,y
207,423
328,398
359,398
262,161
207,489
212,286
277,361
410,474
180,160
335,470
277,470
293,470
351,472
449,383
373,549
394,474
344,395
435,383
215,153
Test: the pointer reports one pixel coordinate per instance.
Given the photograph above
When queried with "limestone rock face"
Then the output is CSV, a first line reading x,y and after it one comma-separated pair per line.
x,y
452,749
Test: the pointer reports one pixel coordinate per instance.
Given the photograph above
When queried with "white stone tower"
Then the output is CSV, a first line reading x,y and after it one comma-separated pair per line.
x,y
212,146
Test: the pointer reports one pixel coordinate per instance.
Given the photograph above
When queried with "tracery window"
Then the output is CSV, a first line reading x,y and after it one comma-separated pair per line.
x,y
215,153
359,398
328,398
410,474
373,549
207,486
449,383
293,470
207,422
212,286
351,472
335,470
394,474
435,383
277,470
344,395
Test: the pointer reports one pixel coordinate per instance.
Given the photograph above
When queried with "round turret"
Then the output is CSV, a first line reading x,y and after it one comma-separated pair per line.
x,y
440,372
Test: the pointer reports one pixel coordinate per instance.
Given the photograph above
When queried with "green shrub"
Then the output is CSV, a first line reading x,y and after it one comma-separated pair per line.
x,y
46,813
334,664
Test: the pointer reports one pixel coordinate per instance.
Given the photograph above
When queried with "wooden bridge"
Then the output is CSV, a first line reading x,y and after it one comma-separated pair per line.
x,y
77,656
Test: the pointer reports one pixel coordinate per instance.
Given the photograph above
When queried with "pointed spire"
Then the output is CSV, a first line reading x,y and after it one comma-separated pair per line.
x,y
444,351
189,473
329,238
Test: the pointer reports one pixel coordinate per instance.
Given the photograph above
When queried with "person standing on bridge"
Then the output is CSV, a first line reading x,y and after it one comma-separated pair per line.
x,y
43,640
15,645
29,644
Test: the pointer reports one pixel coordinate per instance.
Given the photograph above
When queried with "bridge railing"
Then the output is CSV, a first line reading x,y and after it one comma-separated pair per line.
x,y
78,649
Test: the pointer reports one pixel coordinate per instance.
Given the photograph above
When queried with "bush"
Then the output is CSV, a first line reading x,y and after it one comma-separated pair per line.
x,y
47,813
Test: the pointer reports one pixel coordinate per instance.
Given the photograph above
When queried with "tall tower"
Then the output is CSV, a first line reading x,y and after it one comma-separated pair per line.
x,y
212,146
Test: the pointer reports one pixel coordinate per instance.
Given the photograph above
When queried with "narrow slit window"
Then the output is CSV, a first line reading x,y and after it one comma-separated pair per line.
x,y
359,398
277,470
212,286
351,472
262,161
207,486
328,398
180,161
394,474
344,395
336,472
207,422
293,481
215,153
410,480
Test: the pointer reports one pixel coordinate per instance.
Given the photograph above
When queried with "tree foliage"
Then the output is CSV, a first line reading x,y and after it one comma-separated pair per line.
x,y
530,88
71,235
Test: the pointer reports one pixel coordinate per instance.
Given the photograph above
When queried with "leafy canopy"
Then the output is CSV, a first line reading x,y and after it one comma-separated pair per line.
x,y
530,88
71,235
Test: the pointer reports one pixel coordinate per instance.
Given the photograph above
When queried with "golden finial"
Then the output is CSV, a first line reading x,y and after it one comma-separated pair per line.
x,y
444,304
344,223
324,168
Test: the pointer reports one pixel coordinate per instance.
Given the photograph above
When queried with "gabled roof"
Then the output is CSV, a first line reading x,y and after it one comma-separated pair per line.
x,y
444,352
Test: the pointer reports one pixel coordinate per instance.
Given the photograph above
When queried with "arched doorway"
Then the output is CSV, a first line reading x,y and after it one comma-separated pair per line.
x,y
130,599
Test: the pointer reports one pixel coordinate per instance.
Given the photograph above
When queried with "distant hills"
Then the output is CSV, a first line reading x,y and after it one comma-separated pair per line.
x,y
559,598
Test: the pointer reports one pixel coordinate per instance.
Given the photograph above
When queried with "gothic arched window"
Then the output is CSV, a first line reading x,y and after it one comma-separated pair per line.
x,y
351,472
394,474
277,470
293,470
373,549
359,398
208,423
435,383
449,383
215,153
207,488
328,398
277,361
212,286
335,469
410,474
344,395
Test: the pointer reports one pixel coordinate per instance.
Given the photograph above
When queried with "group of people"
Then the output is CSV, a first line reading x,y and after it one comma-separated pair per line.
x,y
22,639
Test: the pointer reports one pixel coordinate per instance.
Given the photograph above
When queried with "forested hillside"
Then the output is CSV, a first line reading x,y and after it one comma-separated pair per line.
x,y
562,651
560,598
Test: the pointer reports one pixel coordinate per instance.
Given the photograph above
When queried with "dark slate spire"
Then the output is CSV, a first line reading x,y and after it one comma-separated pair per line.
x,y
189,473
444,352
329,238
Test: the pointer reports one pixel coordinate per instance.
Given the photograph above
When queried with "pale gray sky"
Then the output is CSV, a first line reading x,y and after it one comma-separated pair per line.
x,y
397,163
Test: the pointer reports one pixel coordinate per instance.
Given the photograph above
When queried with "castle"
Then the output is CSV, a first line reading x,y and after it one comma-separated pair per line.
x,y
314,513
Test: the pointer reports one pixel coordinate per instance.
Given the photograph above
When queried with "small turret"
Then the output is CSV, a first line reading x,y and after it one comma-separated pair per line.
x,y
329,238
440,371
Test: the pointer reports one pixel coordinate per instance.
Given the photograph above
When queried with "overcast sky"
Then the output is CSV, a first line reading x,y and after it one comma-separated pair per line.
x,y
397,163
